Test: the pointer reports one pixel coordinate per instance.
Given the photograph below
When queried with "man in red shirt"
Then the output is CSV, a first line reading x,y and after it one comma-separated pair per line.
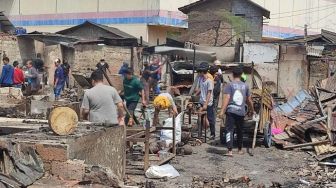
x,y
18,76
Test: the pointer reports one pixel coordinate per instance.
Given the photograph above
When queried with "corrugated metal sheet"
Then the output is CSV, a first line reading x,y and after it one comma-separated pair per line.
x,y
294,102
315,51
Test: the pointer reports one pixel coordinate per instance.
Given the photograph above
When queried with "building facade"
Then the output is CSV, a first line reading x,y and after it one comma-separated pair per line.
x,y
153,20
221,22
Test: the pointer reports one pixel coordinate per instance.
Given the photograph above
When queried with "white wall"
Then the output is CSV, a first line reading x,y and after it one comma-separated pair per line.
x,y
260,53
317,14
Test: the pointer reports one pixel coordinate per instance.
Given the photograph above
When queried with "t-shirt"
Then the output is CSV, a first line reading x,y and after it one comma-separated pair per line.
x,y
38,64
102,66
170,98
59,74
123,70
7,74
132,88
205,86
154,67
33,79
145,73
101,100
18,77
217,86
238,92
66,68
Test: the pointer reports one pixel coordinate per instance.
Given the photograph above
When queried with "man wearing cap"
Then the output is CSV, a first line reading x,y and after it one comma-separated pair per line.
x,y
103,66
132,90
236,95
206,86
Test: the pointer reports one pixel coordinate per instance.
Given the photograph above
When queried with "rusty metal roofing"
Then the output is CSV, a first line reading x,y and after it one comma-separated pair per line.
x,y
326,36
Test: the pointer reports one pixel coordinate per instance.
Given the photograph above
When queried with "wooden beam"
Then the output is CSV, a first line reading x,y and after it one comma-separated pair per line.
x,y
166,160
307,144
136,139
141,133
146,157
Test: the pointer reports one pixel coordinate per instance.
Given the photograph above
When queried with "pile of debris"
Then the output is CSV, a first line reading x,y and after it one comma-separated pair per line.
x,y
308,120
318,174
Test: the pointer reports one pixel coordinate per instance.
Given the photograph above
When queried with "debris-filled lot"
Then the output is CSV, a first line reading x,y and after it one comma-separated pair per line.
x,y
208,166
212,107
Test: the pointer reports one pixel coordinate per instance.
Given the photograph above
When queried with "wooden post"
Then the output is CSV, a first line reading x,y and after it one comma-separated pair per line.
x,y
174,135
132,58
146,158
329,124
252,75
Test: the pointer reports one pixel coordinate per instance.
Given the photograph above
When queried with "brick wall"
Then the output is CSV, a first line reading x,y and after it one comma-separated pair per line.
x,y
9,46
87,56
253,16
199,34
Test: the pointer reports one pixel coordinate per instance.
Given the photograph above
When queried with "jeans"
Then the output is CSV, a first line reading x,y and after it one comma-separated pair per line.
x,y
233,120
58,89
18,86
131,106
67,80
212,119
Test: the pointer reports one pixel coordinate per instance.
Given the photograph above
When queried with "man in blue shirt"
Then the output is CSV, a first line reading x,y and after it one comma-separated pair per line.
x,y
6,79
123,69
59,79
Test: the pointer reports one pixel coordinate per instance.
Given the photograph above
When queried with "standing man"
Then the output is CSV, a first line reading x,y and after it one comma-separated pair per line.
x,y
206,96
102,103
218,80
59,79
18,77
145,74
6,79
153,78
66,69
103,66
123,69
132,90
236,95
33,79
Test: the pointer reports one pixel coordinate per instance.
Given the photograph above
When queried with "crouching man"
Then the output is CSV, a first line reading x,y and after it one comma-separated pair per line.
x,y
162,102
102,103
236,95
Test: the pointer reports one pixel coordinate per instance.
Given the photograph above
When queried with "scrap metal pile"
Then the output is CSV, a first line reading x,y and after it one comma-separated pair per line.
x,y
309,120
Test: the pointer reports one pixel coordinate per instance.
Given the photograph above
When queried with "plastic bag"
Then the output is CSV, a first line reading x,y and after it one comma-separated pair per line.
x,y
167,170
167,135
